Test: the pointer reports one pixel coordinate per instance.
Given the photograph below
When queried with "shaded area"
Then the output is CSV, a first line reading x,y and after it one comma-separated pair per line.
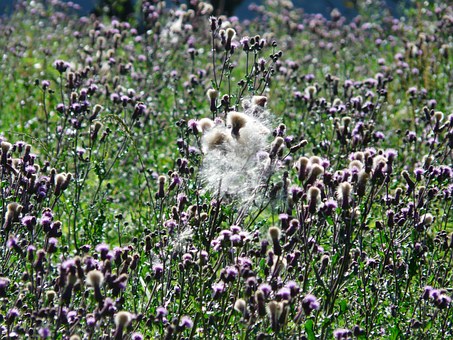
x,y
124,8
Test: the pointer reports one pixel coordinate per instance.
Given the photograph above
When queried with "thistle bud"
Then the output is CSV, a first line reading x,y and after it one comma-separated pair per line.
x,y
161,182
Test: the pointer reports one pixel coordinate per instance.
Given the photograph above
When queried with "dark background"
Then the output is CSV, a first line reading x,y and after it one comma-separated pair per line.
x,y
240,9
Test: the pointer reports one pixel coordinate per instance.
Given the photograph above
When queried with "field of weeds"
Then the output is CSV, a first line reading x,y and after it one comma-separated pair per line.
x,y
184,175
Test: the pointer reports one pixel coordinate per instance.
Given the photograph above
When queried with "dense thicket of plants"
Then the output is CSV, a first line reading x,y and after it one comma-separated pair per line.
x,y
189,176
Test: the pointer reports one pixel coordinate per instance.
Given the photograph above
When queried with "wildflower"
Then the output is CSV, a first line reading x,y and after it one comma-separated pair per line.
x,y
241,306
274,234
185,322
212,96
342,333
274,311
122,320
13,211
310,303
95,278
44,332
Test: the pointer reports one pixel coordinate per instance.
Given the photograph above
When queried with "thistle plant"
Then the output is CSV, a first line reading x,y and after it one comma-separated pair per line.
x,y
188,175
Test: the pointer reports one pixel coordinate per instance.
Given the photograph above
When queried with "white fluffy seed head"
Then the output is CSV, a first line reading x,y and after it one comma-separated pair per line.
x,y
274,233
95,278
206,124
123,319
216,139
212,94
240,305
314,193
344,190
237,120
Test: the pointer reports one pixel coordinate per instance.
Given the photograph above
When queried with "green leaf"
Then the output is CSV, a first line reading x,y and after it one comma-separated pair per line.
x,y
395,333
309,329
343,306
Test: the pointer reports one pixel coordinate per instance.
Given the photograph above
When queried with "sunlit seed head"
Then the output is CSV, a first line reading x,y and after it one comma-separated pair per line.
x,y
356,164
206,124
314,193
50,295
216,139
259,100
240,306
274,233
237,120
95,278
6,147
212,94
438,116
230,33
123,319
344,190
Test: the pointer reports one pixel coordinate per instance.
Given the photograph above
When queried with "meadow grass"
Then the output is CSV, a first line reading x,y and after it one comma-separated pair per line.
x,y
184,175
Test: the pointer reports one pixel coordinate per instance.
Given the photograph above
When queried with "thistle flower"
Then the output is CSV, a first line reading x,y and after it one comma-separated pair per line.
x,y
185,322
343,194
95,278
310,303
274,234
212,96
122,320
237,121
241,306
13,211
230,152
342,333
274,311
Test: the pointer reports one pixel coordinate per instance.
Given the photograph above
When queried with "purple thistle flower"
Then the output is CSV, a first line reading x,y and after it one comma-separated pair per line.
x,y
342,333
265,288
217,289
310,303
284,294
136,336
161,312
186,322
44,332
